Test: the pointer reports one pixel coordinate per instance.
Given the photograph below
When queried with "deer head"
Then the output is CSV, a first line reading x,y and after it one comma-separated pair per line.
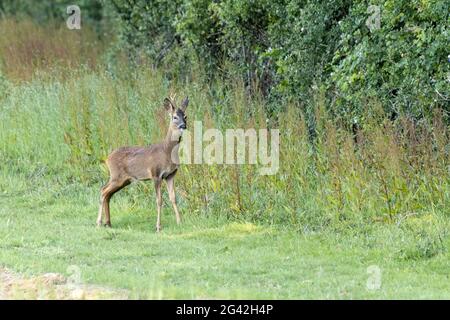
x,y
177,115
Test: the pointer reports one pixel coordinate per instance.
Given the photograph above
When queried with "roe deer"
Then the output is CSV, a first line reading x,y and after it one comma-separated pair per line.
x,y
157,162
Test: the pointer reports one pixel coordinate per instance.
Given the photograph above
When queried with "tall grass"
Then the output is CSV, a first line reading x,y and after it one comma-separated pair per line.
x,y
27,48
60,130
68,128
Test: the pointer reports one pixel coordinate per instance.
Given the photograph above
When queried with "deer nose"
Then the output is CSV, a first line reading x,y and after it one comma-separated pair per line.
x,y
182,126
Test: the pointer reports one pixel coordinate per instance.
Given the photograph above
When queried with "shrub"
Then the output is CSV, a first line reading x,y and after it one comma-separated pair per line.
x,y
403,64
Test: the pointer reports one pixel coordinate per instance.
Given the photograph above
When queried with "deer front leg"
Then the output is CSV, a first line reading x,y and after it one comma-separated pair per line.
x,y
158,204
173,199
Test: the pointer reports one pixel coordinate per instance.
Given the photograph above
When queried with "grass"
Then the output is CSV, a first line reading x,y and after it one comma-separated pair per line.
x,y
27,48
48,228
66,128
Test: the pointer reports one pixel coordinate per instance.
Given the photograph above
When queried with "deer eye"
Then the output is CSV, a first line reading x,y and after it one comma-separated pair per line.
x,y
175,118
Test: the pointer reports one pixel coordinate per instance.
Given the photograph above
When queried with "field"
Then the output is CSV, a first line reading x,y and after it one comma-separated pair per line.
x,y
48,227
348,215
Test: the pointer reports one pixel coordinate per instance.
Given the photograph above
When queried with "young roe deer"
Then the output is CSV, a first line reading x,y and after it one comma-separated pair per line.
x,y
156,162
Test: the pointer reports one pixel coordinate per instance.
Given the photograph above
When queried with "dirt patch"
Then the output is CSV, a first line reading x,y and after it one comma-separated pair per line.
x,y
52,286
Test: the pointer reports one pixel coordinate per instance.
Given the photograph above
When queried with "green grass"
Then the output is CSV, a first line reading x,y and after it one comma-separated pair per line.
x,y
47,227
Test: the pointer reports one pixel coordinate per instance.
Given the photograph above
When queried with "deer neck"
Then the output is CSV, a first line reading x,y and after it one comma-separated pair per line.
x,y
172,139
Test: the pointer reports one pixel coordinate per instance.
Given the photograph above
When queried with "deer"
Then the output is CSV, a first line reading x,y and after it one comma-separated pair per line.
x,y
155,162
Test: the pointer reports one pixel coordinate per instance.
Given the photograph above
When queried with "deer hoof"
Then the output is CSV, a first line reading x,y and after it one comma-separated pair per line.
x,y
108,224
158,229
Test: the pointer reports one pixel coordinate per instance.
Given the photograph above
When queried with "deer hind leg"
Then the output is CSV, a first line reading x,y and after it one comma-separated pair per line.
x,y
171,190
107,192
101,208
158,204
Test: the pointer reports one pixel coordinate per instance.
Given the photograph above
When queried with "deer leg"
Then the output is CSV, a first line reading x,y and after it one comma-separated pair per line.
x,y
158,204
107,212
173,199
103,194
100,209
107,192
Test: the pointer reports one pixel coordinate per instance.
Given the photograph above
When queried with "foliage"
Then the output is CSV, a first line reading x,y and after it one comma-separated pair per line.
x,y
403,64
147,28
290,48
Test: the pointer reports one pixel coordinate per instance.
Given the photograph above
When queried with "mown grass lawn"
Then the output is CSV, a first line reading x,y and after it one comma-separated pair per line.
x,y
46,229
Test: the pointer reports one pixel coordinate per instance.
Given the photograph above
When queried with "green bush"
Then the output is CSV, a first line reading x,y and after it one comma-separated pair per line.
x,y
147,28
287,49
403,64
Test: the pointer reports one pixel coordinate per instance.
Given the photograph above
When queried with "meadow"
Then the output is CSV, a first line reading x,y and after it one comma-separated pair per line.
x,y
347,216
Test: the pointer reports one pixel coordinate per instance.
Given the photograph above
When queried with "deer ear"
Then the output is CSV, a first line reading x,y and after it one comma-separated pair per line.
x,y
168,105
184,104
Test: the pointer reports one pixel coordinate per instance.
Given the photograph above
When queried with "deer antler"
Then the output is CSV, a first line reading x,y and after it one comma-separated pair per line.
x,y
172,96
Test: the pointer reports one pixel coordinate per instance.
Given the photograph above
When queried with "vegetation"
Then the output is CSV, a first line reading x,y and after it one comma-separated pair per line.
x,y
287,48
50,227
364,153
